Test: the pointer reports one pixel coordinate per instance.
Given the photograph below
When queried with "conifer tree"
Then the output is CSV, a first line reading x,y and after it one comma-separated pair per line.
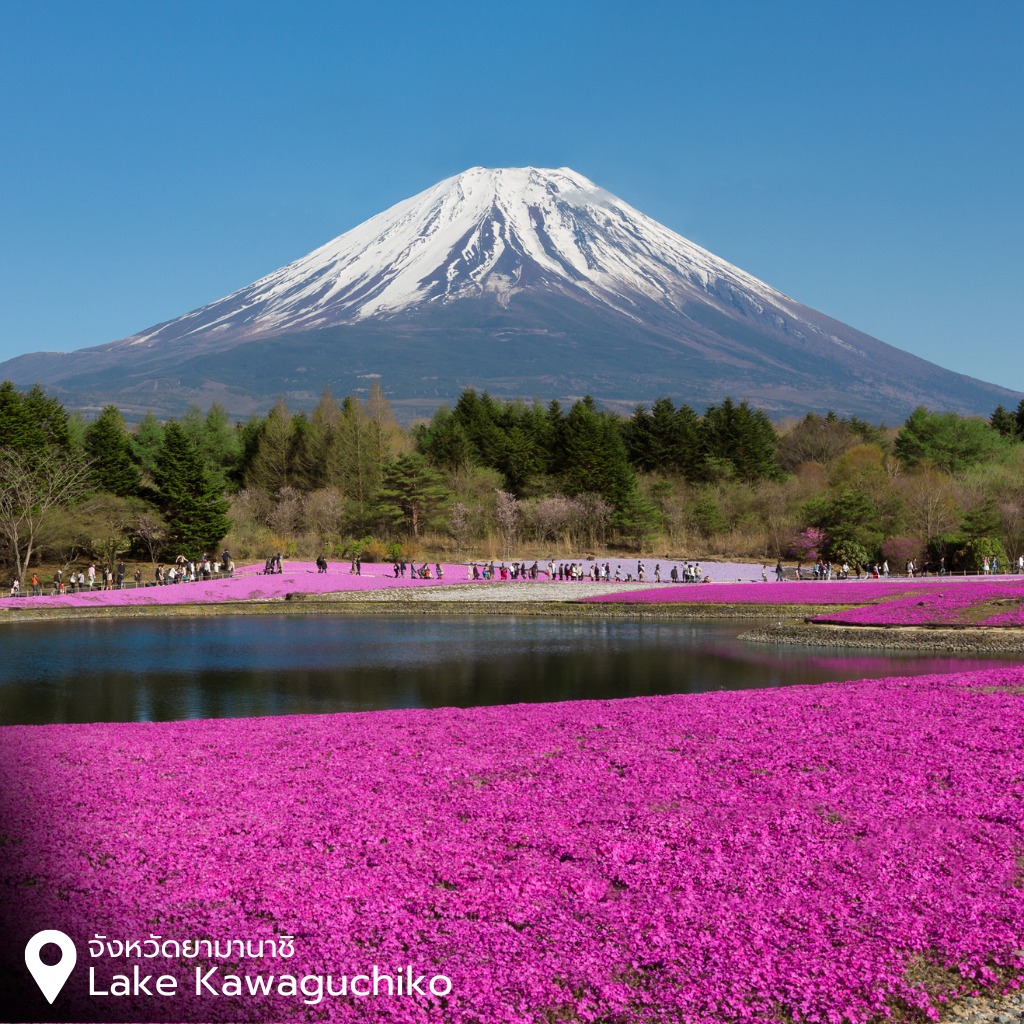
x,y
594,455
741,436
1004,422
146,442
108,446
322,463
271,467
412,494
196,513
354,453
32,422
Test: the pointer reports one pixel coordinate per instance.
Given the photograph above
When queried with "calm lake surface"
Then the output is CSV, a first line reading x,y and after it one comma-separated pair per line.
x,y
236,667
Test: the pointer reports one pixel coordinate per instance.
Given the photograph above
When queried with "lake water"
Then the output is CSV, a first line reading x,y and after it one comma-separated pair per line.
x,y
233,667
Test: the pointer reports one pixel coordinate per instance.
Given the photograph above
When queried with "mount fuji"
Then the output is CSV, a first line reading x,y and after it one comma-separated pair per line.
x,y
522,280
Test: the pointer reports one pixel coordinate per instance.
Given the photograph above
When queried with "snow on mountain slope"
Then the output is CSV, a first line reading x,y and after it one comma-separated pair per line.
x,y
520,280
495,231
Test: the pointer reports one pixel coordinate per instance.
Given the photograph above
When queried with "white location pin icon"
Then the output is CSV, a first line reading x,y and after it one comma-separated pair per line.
x,y
51,979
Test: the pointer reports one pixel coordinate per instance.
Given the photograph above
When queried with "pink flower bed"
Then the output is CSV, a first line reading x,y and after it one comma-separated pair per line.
x,y
728,856
247,584
949,604
788,592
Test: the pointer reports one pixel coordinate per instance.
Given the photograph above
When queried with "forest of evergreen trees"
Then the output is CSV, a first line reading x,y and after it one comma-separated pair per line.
x,y
489,477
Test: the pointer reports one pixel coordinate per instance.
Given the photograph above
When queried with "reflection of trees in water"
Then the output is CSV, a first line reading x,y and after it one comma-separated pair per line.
x,y
396,663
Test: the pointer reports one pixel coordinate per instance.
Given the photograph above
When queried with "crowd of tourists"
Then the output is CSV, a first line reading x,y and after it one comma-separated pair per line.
x,y
825,570
106,577
187,570
594,572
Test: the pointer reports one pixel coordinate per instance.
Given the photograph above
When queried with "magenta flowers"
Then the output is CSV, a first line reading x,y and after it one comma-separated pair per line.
x,y
965,603
726,856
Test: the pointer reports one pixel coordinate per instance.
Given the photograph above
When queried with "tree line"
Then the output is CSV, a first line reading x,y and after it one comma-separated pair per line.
x,y
346,477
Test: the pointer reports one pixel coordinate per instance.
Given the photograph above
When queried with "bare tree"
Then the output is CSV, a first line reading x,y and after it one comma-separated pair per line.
x,y
253,504
1011,512
771,508
30,486
321,511
110,522
591,514
819,439
458,525
932,508
152,531
284,518
551,516
507,516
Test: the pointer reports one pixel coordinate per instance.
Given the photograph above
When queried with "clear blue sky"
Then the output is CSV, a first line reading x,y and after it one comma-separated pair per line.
x,y
865,157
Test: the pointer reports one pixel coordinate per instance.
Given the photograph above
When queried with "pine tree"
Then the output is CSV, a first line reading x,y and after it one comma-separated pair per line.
x,y
271,466
738,435
636,434
381,428
322,464
32,422
595,455
146,442
15,430
355,457
108,445
1005,422
196,514
48,422
412,494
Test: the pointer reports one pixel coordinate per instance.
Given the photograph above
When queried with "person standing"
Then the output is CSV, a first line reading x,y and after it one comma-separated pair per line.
x,y
120,575
778,571
138,578
35,585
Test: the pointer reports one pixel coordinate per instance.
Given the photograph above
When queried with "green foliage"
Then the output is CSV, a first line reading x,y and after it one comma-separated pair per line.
x,y
273,463
847,516
108,446
593,457
950,441
412,493
667,440
851,553
196,513
1005,423
146,442
638,519
215,439
741,436
984,521
32,422
707,516
974,552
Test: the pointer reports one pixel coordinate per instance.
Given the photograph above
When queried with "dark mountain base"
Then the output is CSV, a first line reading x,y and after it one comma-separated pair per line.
x,y
538,347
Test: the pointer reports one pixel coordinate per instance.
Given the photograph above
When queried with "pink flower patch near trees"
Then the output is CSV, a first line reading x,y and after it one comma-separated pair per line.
x,y
808,545
789,592
247,584
900,550
728,856
947,603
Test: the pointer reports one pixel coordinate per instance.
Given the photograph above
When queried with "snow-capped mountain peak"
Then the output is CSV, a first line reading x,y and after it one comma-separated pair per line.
x,y
485,231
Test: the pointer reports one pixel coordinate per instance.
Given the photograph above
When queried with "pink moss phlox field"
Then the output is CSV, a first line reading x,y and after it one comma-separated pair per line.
x,y
247,584
726,856
788,592
951,604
